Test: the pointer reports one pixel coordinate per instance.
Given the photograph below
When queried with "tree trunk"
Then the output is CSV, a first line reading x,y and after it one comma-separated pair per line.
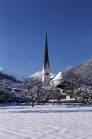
x,y
32,103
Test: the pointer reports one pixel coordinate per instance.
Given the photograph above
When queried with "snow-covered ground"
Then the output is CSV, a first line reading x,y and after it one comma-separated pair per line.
x,y
45,122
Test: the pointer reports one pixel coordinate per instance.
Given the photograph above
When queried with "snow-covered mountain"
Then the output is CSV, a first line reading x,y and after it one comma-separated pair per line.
x,y
81,74
39,75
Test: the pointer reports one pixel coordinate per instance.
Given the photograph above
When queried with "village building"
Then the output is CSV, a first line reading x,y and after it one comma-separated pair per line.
x,y
68,88
57,79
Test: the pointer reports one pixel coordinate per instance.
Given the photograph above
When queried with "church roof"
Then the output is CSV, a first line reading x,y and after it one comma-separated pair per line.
x,y
58,76
46,57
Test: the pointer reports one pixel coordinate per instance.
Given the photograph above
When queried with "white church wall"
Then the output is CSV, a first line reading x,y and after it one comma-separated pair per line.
x,y
55,82
46,75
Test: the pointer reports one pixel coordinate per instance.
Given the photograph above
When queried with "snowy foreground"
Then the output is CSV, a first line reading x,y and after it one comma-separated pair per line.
x,y
45,122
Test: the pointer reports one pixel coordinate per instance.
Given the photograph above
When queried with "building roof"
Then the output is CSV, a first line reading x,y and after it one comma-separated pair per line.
x,y
67,84
58,76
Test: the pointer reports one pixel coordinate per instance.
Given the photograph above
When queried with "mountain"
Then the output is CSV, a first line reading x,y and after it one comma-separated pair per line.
x,y
8,77
81,74
39,75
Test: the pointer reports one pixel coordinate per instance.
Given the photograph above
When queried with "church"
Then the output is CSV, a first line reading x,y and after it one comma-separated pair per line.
x,y
46,69
57,80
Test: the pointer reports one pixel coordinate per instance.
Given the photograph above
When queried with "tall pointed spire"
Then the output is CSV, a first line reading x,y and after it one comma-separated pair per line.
x,y
46,66
46,57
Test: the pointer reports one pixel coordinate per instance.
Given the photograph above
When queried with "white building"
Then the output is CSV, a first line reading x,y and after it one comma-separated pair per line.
x,y
57,79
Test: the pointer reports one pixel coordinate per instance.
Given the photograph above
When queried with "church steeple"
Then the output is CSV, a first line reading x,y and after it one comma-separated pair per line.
x,y
46,57
46,65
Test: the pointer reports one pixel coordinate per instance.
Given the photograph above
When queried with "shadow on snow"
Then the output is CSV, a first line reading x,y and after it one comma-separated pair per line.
x,y
50,111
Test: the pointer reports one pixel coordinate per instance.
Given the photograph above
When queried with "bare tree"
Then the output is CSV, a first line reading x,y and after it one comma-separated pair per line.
x,y
82,94
53,93
4,87
32,90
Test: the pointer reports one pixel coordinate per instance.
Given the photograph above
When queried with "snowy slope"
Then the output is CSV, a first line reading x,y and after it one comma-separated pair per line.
x,y
39,75
45,122
82,73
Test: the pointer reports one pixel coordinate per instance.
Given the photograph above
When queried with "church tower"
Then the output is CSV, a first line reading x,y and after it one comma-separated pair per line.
x,y
46,66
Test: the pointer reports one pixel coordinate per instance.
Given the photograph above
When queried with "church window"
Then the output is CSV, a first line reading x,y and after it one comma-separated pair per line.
x,y
47,73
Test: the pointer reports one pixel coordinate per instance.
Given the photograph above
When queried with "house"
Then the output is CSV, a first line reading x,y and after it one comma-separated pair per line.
x,y
67,88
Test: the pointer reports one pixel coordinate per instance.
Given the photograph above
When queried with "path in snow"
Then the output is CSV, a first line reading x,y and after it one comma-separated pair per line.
x,y
45,122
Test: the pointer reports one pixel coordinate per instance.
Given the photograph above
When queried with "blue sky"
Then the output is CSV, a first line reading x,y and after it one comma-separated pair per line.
x,y
23,29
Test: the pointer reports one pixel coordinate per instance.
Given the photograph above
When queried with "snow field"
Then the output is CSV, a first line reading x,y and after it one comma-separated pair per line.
x,y
45,122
